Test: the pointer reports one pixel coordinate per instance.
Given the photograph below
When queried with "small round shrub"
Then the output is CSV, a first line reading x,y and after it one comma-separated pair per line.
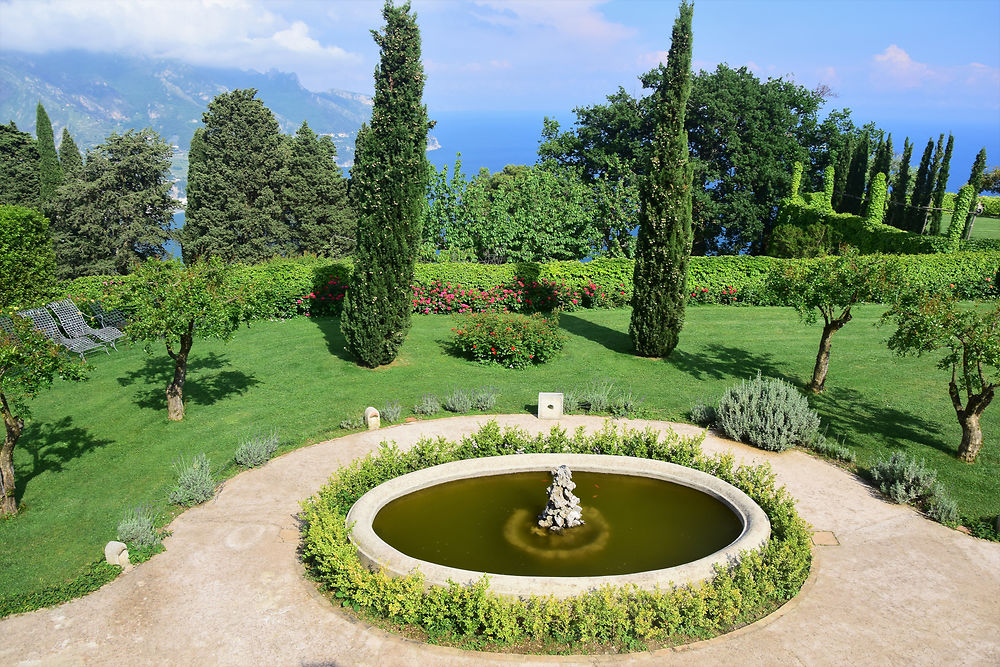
x,y
390,413
136,527
768,413
427,405
904,479
703,413
507,339
459,400
195,483
484,398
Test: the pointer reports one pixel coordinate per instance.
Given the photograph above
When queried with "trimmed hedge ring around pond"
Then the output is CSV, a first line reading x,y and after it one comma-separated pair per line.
x,y
622,618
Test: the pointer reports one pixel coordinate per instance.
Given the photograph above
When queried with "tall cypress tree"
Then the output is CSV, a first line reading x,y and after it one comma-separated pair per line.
x,y
235,179
976,181
854,190
881,164
388,183
843,166
896,216
940,186
663,247
70,158
319,218
49,172
915,214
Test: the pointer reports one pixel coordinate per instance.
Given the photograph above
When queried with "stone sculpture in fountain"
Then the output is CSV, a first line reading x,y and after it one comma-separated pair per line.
x,y
563,509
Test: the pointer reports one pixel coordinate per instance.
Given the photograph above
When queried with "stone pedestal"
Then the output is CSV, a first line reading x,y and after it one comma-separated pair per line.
x,y
372,418
550,405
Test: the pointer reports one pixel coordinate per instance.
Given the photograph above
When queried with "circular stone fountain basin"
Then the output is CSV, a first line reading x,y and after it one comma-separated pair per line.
x,y
415,522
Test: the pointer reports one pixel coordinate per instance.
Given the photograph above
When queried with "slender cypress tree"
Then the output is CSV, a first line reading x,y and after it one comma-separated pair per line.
x,y
940,186
70,158
49,172
915,214
881,164
976,181
896,215
663,247
389,180
843,166
854,190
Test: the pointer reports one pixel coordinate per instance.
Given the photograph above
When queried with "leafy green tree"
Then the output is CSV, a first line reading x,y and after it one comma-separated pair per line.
x,y
896,215
29,363
319,218
921,184
70,159
664,244
235,181
991,181
854,192
27,263
615,213
49,171
744,135
525,214
389,182
172,304
970,338
445,213
940,188
19,180
830,287
119,211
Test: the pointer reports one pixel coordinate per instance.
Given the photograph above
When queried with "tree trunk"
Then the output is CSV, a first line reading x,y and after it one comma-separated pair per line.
x,y
823,356
12,431
972,437
175,390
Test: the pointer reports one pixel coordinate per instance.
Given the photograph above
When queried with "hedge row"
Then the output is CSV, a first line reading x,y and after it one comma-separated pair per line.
x,y
286,287
991,205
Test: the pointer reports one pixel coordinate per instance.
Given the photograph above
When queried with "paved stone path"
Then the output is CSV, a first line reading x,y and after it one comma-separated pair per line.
x,y
898,589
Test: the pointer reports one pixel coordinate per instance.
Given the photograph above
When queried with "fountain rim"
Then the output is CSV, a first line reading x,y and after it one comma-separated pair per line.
x,y
376,553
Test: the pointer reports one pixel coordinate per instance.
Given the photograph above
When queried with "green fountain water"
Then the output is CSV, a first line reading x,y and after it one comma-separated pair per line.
x,y
490,524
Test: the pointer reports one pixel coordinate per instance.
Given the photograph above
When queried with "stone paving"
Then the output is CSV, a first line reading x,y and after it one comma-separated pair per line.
x,y
888,586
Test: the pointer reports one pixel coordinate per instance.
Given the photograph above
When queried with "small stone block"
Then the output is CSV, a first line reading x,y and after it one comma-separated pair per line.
x,y
113,552
825,538
123,560
410,420
550,405
372,418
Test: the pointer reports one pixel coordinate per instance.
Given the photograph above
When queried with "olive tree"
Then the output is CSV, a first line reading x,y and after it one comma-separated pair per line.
x,y
173,304
970,338
29,363
829,287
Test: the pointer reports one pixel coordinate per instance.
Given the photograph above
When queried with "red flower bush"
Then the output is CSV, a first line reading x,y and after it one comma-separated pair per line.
x,y
508,339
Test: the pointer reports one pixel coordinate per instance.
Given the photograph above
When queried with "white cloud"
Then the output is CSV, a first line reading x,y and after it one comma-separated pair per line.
x,y
577,20
896,69
224,33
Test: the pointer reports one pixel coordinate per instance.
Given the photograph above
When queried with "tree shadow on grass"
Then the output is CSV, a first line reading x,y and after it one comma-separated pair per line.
x,y
51,445
719,362
200,387
848,410
614,340
335,341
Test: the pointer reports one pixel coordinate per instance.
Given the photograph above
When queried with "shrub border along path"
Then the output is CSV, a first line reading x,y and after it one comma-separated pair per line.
x,y
229,589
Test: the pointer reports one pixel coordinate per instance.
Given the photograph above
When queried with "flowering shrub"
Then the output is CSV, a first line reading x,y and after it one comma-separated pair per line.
x,y
508,339
726,294
327,299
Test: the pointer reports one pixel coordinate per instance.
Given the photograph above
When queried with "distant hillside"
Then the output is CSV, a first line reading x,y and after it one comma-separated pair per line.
x,y
95,94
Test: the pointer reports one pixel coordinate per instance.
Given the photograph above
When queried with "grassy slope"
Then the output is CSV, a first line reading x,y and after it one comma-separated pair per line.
x,y
96,448
985,228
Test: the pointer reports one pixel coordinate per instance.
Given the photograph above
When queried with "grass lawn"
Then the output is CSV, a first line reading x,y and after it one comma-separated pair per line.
x,y
96,448
984,228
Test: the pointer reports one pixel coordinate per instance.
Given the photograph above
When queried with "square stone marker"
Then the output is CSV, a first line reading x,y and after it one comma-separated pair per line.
x,y
550,405
825,538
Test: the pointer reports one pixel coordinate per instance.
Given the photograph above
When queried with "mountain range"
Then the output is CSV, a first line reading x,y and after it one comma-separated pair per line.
x,y
95,94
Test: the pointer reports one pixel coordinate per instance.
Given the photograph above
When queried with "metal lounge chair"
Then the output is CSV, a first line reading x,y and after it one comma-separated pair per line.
x,y
72,322
42,319
107,318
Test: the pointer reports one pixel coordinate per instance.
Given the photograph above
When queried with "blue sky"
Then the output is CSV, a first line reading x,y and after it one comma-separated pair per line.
x,y
935,62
